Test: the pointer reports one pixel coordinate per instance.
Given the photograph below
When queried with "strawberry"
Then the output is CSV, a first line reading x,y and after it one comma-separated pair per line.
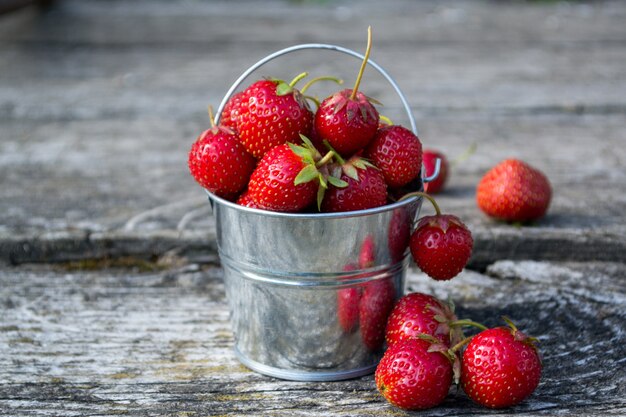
x,y
362,186
514,191
428,158
287,178
272,113
230,112
245,200
219,162
418,313
347,119
441,245
415,374
377,301
397,152
501,367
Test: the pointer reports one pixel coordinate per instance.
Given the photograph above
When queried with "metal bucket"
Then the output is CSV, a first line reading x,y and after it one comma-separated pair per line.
x,y
309,293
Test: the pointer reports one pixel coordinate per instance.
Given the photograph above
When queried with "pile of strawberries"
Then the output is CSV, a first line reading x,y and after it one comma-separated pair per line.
x,y
427,353
271,151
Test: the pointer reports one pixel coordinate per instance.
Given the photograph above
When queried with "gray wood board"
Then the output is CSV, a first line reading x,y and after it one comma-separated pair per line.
x,y
99,103
118,341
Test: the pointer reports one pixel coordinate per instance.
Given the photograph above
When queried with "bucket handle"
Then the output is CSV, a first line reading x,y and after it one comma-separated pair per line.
x,y
304,46
343,50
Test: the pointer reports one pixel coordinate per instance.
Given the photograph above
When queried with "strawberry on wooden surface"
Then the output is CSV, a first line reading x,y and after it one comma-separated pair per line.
x,y
415,374
501,367
514,191
417,313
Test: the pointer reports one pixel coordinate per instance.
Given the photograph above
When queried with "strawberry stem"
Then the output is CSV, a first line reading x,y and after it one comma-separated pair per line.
x,y
314,100
337,156
426,196
325,159
471,149
363,64
385,119
510,323
298,78
459,345
467,322
314,80
211,116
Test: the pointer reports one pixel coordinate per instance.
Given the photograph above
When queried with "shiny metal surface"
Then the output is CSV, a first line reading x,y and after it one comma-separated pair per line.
x,y
286,277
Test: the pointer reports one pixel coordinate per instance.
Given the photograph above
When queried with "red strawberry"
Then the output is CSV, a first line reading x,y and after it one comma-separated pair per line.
x,y
397,152
245,200
441,245
347,119
376,303
286,178
428,158
501,367
271,113
514,191
414,374
418,313
362,187
230,112
219,162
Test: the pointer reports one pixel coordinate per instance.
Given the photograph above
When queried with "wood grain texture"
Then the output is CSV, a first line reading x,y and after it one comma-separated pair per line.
x,y
124,342
100,102
111,293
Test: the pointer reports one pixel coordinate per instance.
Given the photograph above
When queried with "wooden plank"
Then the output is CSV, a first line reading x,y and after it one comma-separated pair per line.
x,y
107,189
118,341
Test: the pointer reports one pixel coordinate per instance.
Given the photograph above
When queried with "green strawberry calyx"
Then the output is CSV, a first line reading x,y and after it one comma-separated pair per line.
x,y
519,336
316,168
449,352
349,168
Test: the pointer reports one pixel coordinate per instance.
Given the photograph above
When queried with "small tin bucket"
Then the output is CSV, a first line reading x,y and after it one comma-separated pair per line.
x,y
309,294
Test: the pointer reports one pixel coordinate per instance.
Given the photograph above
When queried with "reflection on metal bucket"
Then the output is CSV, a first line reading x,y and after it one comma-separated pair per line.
x,y
287,276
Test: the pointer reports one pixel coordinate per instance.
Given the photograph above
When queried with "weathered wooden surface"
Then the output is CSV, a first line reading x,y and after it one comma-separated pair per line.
x,y
125,313
116,342
100,101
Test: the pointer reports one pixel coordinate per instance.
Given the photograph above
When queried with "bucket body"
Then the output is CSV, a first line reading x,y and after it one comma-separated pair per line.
x,y
309,294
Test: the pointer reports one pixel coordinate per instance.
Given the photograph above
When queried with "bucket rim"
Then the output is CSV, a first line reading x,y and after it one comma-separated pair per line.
x,y
338,215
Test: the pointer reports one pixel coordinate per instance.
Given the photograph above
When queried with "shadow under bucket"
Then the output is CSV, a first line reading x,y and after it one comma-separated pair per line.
x,y
309,294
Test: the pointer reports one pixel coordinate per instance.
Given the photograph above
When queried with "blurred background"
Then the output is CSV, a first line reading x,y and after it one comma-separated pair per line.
x,y
101,100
